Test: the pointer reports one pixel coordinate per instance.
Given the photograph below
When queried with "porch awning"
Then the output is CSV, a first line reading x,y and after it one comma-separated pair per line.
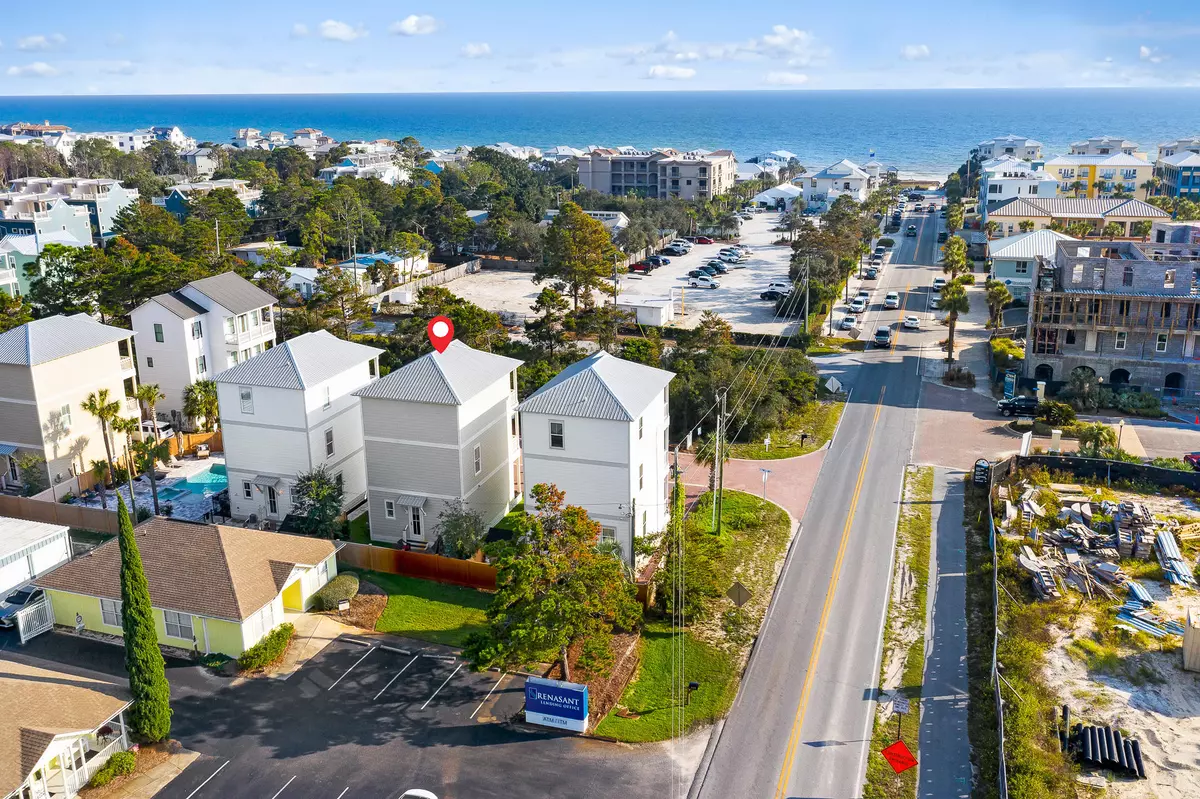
x,y
411,500
7,449
262,481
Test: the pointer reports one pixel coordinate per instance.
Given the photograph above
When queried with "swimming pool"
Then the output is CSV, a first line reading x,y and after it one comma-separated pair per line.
x,y
212,480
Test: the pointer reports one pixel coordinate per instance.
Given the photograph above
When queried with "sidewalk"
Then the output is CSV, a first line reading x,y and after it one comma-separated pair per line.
x,y
944,751
146,786
314,632
789,485
971,337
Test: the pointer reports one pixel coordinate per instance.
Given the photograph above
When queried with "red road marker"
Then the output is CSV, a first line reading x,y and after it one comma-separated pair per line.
x,y
441,332
898,757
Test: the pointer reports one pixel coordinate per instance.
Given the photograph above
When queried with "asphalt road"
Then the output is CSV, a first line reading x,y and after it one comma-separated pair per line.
x,y
801,724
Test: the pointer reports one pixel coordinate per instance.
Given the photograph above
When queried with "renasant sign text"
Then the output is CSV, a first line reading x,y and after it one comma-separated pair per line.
x,y
553,703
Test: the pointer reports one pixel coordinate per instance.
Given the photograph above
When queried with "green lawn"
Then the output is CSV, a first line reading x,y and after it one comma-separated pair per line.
x,y
819,420
429,611
509,522
649,695
359,530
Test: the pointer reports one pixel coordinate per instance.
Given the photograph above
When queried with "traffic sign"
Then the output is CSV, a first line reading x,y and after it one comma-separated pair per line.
x,y
900,705
898,757
739,593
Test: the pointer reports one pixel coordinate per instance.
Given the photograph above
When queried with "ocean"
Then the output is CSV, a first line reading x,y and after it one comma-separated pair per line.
x,y
924,133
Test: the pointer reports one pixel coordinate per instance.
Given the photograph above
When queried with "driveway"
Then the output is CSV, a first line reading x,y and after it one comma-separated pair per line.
x,y
956,427
789,485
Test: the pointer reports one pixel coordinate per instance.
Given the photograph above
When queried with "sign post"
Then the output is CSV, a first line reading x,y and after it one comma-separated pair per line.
x,y
899,707
983,472
558,704
898,757
1010,384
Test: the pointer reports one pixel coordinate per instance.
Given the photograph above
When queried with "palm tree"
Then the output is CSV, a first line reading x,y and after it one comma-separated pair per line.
x,y
148,395
1113,229
1080,229
106,412
954,302
705,456
1027,225
149,453
1058,226
1094,437
1151,185
200,402
998,296
1141,228
127,426
100,472
954,217
991,227
1078,186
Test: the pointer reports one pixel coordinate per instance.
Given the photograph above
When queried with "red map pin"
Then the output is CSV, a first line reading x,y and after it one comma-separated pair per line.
x,y
441,332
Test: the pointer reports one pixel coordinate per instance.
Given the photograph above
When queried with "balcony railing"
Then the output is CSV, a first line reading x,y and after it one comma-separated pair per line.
x,y
266,330
8,276
126,363
95,759
132,405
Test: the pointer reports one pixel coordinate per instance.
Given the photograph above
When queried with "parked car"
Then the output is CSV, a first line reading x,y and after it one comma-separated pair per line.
x,y
779,285
849,322
892,300
1193,459
916,197
939,283
876,260
732,257
863,295
883,336
165,430
912,323
644,267
717,266
896,218
935,300
773,294
658,260
703,282
880,250
682,244
743,249
871,274
1018,406
912,231
708,270
942,236
17,601
858,305
673,251
697,273
704,240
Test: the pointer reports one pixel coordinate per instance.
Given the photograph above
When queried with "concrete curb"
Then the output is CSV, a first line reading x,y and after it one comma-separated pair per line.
x,y
714,738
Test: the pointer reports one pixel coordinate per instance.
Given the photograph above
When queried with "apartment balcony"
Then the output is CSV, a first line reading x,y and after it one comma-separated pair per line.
x,y
126,362
133,407
253,335
8,277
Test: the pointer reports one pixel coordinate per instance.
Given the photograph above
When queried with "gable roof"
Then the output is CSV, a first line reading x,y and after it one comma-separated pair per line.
x,y
205,569
29,244
233,292
41,700
301,362
1183,158
179,304
18,534
601,386
54,337
1113,159
1028,245
843,168
1078,207
442,378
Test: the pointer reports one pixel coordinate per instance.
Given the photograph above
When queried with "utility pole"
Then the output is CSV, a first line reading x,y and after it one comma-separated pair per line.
x,y
218,222
720,463
806,294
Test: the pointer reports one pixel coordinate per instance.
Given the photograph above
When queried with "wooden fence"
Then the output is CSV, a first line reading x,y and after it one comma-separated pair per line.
x,y
51,512
421,565
185,443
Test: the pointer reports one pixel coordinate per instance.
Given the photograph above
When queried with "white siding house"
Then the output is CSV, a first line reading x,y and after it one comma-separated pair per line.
x,y
439,429
199,331
28,549
598,431
288,411
844,177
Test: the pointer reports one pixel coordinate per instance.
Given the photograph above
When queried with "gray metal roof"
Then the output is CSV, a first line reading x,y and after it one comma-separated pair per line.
x,y
1028,245
233,292
55,337
299,363
179,305
600,386
411,500
442,378
1078,207
18,534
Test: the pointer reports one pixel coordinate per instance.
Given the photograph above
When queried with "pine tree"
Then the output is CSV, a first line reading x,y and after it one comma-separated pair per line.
x,y
150,716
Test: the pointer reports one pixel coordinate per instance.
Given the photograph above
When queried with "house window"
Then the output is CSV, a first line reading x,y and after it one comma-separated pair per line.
x,y
1169,279
608,534
478,459
254,317
197,330
1119,344
1127,277
514,422
1166,310
233,359
246,393
158,333
328,398
272,500
389,509
247,490
371,367
110,612
329,443
416,522
149,362
246,354
1021,267
645,523
179,625
201,365
242,324
1032,189
323,572
230,330
64,414
1160,345
641,426
641,475
557,440
1070,336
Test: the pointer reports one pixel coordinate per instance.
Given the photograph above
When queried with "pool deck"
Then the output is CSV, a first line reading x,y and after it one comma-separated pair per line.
x,y
187,506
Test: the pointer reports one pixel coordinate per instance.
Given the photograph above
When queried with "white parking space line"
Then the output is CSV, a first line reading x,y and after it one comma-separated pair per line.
x,y
389,683
440,687
347,671
210,776
285,785
489,693
343,793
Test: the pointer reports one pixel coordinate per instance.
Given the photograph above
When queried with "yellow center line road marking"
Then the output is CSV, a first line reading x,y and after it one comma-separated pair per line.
x,y
789,755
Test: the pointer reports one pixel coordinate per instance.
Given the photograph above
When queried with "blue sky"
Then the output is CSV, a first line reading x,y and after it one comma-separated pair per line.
x,y
222,47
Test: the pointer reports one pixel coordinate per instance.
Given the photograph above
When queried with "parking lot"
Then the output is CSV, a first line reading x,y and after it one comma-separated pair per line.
x,y
737,299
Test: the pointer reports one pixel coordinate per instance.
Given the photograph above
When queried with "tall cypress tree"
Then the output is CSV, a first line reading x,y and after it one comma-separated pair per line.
x,y
150,716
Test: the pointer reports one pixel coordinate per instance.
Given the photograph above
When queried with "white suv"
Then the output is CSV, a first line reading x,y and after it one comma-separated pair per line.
x,y
703,282
892,300
682,244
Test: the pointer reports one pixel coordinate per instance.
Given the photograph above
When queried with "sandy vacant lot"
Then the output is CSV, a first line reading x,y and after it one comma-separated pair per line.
x,y
736,300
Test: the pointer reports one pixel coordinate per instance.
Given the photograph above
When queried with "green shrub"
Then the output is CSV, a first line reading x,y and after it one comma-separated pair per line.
x,y
344,586
1140,404
886,242
269,650
1177,464
119,765
1006,353
1056,414
965,279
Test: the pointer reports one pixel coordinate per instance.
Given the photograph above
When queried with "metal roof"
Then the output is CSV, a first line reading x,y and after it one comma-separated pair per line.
x,y
843,168
179,305
442,378
600,386
299,363
17,534
233,292
411,500
1185,158
1078,207
1028,245
1113,159
55,337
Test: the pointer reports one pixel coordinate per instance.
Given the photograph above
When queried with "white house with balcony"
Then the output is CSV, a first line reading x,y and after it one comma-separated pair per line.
x,y
199,331
1021,147
288,411
843,178
1006,177
381,166
598,430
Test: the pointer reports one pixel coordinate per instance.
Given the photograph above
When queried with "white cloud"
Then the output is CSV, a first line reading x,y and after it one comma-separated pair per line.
x,y
787,78
799,46
690,55
121,68
40,42
792,46
914,52
1150,54
664,72
38,69
415,25
299,30
340,31
477,50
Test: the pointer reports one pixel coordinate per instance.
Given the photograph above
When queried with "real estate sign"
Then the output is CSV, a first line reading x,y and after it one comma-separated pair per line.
x,y
553,703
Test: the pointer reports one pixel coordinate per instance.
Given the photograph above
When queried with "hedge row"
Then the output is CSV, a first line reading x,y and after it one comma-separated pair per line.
x,y
269,650
343,586
120,764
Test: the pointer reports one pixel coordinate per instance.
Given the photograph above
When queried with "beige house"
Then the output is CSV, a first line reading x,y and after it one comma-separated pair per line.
x,y
1044,212
695,175
58,726
48,368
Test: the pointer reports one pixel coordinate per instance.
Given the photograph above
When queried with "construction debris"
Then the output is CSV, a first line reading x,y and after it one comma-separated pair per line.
x,y
1104,747
1175,568
1043,579
1135,530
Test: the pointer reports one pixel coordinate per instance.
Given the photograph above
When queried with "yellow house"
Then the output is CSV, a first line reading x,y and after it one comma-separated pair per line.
x,y
213,588
1101,175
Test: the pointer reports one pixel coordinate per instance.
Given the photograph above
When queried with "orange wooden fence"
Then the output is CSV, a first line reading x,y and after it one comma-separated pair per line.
x,y
35,510
421,565
190,440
